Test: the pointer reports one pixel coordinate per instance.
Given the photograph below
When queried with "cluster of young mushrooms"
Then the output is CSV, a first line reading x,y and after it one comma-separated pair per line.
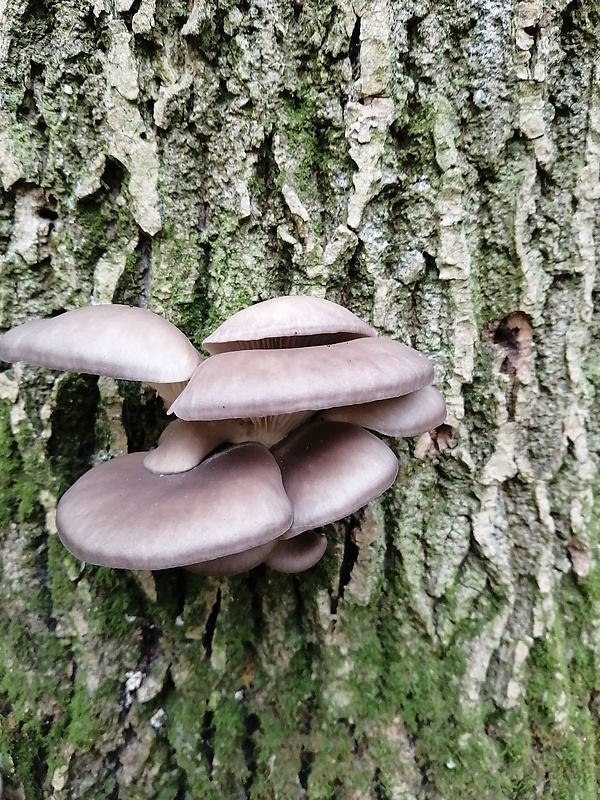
x,y
269,440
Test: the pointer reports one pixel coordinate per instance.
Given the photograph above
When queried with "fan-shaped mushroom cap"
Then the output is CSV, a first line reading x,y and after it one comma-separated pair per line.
x,y
118,341
408,415
330,470
258,383
297,554
292,321
121,515
234,564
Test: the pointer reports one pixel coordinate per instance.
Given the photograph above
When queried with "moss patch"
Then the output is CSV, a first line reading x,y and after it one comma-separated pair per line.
x,y
18,492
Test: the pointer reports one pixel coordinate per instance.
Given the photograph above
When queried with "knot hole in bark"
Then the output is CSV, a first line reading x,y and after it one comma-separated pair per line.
x,y
513,338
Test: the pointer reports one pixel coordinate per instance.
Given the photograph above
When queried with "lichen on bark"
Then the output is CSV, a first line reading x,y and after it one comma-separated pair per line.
x,y
435,168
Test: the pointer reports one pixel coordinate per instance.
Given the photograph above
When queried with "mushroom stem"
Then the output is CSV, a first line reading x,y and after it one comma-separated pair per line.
x,y
272,429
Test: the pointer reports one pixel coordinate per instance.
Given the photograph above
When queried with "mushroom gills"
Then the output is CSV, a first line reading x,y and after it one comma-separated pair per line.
x,y
289,321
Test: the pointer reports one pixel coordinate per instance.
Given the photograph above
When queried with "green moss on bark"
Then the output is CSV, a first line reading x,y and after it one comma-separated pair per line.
x,y
18,492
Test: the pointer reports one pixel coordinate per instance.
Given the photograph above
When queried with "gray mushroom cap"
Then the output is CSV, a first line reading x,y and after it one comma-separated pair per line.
x,y
408,415
233,564
258,383
330,470
291,321
297,554
121,515
114,340
183,445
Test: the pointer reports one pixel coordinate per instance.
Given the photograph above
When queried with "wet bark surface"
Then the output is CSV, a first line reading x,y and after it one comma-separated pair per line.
x,y
434,167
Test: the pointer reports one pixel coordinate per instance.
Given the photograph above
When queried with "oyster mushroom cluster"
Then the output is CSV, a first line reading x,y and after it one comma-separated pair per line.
x,y
269,440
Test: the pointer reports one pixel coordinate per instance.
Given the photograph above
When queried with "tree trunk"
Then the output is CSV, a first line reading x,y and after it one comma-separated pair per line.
x,y
433,166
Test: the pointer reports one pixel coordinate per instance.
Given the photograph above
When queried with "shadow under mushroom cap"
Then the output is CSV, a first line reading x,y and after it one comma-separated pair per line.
x,y
121,515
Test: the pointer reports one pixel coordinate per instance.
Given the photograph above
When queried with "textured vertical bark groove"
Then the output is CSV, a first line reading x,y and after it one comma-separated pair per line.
x,y
433,166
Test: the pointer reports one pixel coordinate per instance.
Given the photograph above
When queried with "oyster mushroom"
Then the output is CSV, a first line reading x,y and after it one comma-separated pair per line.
x,y
299,375
281,323
408,415
233,564
183,445
118,341
290,321
121,515
330,470
258,383
297,554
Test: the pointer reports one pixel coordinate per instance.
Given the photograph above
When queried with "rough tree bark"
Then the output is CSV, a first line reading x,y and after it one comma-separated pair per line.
x,y
435,167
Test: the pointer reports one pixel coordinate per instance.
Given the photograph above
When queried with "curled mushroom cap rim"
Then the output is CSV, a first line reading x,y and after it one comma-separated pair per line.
x,y
297,554
234,564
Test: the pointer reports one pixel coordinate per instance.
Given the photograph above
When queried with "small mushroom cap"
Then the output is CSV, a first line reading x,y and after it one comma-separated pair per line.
x,y
118,341
183,445
408,415
330,470
258,383
297,554
234,564
291,321
121,515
